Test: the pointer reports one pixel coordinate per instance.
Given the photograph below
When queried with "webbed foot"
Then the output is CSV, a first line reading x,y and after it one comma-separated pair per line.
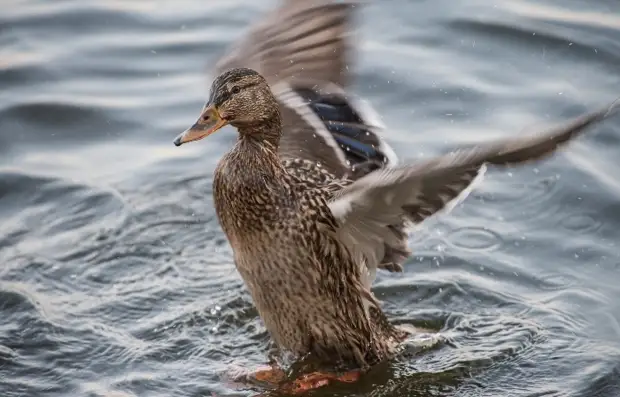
x,y
315,380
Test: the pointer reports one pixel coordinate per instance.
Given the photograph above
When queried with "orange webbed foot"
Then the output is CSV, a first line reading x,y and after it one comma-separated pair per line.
x,y
316,380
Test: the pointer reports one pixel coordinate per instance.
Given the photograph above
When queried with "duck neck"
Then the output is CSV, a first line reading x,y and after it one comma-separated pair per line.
x,y
266,134
248,182
257,149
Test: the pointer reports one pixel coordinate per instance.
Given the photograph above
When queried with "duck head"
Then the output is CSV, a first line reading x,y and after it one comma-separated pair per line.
x,y
240,97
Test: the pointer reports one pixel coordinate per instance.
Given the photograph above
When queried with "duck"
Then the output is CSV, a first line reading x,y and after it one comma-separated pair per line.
x,y
312,199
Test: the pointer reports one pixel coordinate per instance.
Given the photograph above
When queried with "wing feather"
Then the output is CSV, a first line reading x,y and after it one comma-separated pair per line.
x,y
366,208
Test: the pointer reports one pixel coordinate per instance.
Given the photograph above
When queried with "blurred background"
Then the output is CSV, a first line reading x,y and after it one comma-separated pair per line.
x,y
116,280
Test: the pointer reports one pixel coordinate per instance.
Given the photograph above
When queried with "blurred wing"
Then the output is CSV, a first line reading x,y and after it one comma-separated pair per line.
x,y
366,207
301,39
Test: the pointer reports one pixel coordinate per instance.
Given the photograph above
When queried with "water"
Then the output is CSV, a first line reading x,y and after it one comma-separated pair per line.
x,y
116,279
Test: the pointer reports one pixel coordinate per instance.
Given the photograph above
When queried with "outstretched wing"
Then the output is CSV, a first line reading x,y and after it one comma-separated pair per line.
x,y
384,197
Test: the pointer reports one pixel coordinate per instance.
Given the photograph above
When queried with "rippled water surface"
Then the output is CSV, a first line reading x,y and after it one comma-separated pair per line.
x,y
116,279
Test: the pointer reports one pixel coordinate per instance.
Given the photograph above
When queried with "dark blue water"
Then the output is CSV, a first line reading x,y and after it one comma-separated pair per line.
x,y
116,280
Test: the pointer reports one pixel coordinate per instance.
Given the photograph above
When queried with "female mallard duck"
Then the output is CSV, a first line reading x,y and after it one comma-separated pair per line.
x,y
308,225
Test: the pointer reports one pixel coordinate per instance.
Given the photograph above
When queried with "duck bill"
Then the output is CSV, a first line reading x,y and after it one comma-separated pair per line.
x,y
209,122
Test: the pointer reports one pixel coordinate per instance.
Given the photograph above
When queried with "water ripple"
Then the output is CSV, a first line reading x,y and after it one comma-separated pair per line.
x,y
117,279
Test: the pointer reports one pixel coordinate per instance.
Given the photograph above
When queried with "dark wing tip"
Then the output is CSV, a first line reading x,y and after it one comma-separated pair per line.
x,y
534,148
612,109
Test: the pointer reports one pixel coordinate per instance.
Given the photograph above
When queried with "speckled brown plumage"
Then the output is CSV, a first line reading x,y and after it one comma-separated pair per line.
x,y
305,241
310,223
306,286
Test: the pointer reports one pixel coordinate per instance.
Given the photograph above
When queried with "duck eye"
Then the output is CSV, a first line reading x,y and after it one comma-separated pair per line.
x,y
235,90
